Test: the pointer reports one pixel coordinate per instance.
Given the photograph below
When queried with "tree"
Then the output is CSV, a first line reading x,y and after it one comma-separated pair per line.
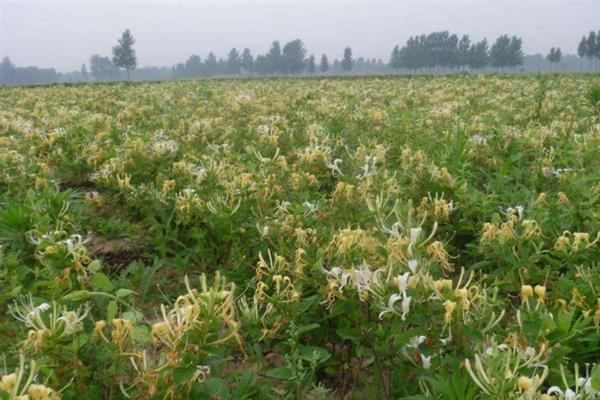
x,y
395,61
479,55
515,52
274,58
347,61
103,69
193,67
83,72
500,52
234,62
324,66
593,48
292,57
464,46
247,61
554,55
124,54
7,71
210,65
310,64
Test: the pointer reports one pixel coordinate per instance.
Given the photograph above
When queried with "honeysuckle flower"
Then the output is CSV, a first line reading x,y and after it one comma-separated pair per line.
x,y
416,341
394,298
334,167
425,361
413,264
402,281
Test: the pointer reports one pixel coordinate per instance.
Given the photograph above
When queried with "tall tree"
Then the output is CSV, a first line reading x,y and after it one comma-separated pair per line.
x,y
515,52
210,65
124,54
324,65
463,51
83,72
7,71
593,48
500,52
247,61
395,61
347,61
274,58
234,62
479,55
193,66
292,57
311,65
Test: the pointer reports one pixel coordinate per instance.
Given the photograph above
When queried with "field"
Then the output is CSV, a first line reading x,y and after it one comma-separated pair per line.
x,y
382,238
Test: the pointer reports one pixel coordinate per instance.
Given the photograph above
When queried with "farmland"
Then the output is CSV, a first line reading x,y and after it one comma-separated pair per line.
x,y
426,237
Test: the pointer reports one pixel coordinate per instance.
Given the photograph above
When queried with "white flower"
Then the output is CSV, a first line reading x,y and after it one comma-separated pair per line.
x,y
335,167
405,306
425,361
403,281
413,264
414,235
390,307
416,341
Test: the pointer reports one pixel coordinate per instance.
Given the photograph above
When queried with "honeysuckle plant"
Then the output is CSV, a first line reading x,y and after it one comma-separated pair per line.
x,y
391,237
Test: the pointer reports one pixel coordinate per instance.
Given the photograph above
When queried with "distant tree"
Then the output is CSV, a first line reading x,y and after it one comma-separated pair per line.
x,y
347,61
292,57
210,65
103,69
124,54
221,67
310,64
193,66
274,58
395,61
554,55
592,46
261,64
84,73
499,52
515,52
464,46
247,61
479,55
324,66
7,71
234,62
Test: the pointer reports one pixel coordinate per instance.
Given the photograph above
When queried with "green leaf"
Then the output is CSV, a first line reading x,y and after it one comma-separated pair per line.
x,y
595,378
78,295
216,387
102,283
95,266
182,375
318,354
307,328
124,293
282,373
111,310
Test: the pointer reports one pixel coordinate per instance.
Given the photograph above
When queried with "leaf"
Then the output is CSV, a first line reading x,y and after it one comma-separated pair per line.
x,y
318,354
282,373
111,310
216,387
307,328
124,293
102,283
78,295
182,375
595,378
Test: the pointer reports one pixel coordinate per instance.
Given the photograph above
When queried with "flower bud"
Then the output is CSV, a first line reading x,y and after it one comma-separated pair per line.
x,y
525,383
526,291
540,291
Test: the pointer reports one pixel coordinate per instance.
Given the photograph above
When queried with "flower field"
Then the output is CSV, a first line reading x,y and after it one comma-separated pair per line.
x,y
372,238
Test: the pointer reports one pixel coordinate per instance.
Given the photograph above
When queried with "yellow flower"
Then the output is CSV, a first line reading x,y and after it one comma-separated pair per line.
x,y
7,382
526,292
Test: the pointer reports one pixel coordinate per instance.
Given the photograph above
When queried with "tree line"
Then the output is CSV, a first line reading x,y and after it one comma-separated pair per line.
x,y
434,52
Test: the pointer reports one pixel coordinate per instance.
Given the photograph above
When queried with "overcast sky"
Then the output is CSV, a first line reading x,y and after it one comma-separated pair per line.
x,y
63,34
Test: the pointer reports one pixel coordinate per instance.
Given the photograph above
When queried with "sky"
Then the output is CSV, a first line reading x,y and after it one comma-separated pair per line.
x,y
64,34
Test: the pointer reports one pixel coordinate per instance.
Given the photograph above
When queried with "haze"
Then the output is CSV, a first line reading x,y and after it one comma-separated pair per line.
x,y
64,34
